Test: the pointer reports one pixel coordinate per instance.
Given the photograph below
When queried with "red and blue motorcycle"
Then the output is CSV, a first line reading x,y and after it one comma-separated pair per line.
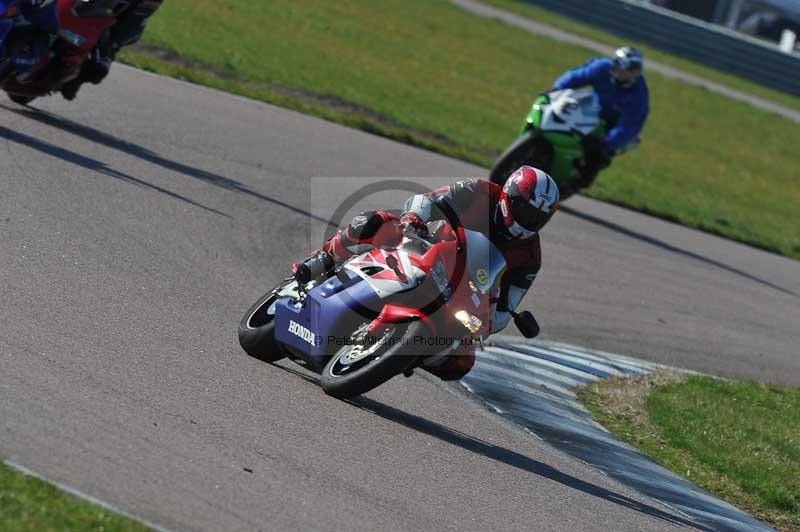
x,y
47,43
384,312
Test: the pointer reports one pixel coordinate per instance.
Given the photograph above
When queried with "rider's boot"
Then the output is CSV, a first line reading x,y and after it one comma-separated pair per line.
x,y
368,229
99,64
94,70
313,267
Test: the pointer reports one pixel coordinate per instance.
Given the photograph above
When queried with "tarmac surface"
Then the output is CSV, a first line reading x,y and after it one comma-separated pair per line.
x,y
139,222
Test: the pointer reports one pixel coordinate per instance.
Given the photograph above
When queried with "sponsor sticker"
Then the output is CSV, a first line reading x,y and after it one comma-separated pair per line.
x,y
358,221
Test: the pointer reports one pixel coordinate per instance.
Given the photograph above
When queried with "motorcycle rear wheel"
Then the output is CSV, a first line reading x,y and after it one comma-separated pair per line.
x,y
348,373
529,149
257,327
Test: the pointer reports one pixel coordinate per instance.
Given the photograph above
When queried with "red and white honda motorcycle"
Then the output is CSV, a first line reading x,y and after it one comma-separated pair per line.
x,y
384,312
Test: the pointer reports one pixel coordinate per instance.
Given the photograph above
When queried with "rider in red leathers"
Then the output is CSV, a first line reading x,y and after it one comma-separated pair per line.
x,y
127,30
85,50
511,216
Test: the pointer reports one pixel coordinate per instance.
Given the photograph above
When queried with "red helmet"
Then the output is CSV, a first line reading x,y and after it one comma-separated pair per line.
x,y
528,201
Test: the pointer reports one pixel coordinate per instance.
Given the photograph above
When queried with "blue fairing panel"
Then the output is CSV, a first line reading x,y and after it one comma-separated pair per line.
x,y
332,311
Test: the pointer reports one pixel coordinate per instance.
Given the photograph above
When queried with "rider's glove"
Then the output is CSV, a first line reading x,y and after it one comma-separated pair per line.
x,y
411,222
565,106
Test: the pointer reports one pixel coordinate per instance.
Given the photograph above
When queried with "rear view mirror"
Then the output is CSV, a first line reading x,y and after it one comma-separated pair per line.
x,y
526,324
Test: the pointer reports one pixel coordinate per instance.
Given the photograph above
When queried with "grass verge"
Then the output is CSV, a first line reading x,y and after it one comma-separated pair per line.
x,y
28,504
738,440
609,39
165,62
433,75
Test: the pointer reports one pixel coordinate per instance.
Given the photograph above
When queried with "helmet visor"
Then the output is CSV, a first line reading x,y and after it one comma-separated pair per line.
x,y
626,77
528,216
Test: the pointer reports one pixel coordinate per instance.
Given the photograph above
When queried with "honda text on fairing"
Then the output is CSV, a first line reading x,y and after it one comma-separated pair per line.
x,y
384,312
45,43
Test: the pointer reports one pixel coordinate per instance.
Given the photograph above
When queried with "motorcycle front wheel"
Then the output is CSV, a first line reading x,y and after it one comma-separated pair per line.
x,y
368,361
257,327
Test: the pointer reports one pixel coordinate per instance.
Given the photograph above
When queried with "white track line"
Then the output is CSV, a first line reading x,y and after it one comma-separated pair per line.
x,y
535,386
534,366
602,359
606,366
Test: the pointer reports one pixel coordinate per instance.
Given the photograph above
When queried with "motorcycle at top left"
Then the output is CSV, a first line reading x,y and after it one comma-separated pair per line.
x,y
45,43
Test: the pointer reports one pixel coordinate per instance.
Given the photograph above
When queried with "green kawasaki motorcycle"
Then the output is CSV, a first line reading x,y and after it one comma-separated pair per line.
x,y
557,128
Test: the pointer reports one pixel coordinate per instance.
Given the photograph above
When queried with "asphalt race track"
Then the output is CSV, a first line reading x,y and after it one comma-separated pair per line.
x,y
139,222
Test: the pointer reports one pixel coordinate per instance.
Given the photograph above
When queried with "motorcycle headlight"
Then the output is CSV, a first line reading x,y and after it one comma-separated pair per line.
x,y
472,323
439,274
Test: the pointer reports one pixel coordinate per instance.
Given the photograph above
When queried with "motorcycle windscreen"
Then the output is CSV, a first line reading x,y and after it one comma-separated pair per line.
x,y
571,110
485,263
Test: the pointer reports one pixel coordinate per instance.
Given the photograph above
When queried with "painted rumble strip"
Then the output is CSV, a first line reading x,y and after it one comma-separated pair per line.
x,y
533,384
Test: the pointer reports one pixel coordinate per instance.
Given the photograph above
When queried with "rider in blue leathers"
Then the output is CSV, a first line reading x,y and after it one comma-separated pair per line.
x,y
26,7
5,26
6,23
7,9
624,99
126,31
